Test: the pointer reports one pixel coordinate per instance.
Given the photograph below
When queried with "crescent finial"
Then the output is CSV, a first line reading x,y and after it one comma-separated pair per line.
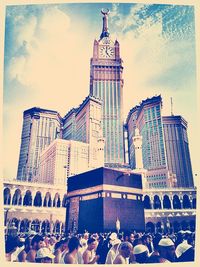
x,y
105,11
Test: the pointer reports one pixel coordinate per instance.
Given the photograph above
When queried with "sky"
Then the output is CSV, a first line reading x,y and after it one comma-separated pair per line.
x,y
47,61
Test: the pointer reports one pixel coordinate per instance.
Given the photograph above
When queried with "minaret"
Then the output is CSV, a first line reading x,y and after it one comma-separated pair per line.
x,y
106,83
100,149
137,141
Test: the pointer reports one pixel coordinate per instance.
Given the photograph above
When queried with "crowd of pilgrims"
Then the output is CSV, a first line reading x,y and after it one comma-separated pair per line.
x,y
106,248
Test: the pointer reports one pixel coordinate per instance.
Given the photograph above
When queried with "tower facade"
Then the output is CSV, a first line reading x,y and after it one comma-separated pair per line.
x,y
69,125
147,118
61,159
131,127
149,123
137,141
149,148
177,149
106,83
84,124
40,128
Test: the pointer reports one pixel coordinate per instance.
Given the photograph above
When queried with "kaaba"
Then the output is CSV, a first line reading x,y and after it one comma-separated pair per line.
x,y
98,198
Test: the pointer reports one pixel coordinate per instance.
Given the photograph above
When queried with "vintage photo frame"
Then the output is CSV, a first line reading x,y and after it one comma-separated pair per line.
x,y
163,58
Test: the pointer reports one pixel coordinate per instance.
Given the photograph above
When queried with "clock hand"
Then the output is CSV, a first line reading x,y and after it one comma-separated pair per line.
x,y
107,51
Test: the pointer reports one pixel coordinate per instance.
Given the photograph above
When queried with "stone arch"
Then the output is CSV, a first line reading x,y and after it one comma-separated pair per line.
x,y
176,202
194,203
186,202
24,227
27,199
7,196
14,221
12,226
17,197
38,199
57,226
47,200
45,227
64,202
35,225
156,202
166,202
150,227
56,201
147,202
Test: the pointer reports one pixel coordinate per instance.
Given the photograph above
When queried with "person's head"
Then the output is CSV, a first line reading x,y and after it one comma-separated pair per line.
x,y
91,243
46,241
125,249
126,236
141,253
156,259
31,233
112,236
11,244
131,238
52,241
115,242
137,241
184,252
145,239
73,244
37,242
86,235
44,255
136,236
58,245
187,256
95,236
167,249
64,244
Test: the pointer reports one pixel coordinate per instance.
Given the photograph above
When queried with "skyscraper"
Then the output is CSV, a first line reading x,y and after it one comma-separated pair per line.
x,y
165,148
177,149
106,83
64,158
40,128
61,159
130,128
147,118
69,125
84,124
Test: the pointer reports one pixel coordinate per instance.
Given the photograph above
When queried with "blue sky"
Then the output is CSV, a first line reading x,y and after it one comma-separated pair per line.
x,y
47,56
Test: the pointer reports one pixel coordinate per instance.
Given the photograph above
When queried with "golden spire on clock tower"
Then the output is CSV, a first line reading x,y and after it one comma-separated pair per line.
x,y
105,31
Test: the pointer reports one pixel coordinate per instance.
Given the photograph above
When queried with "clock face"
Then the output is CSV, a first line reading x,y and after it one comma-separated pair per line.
x,y
106,52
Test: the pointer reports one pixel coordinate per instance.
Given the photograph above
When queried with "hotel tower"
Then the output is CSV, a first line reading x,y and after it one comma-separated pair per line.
x,y
106,83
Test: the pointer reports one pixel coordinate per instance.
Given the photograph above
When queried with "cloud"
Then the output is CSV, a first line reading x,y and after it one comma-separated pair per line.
x,y
157,46
26,29
54,23
43,67
47,57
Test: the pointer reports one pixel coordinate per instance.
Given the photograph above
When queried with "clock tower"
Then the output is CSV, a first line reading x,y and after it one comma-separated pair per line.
x,y
106,83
